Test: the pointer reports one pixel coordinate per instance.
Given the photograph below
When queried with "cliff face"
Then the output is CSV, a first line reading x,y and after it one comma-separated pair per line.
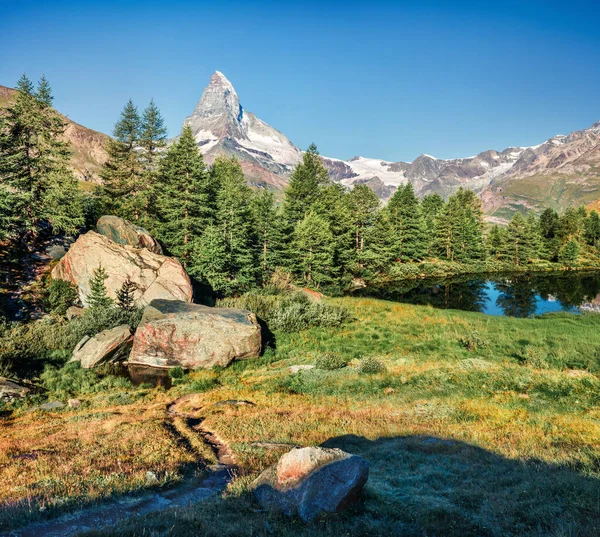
x,y
88,146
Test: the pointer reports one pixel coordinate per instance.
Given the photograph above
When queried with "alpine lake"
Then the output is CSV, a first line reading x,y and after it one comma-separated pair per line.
x,y
515,295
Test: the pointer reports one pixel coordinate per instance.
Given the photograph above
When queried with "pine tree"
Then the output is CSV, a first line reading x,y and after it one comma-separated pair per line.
x,y
123,191
571,224
408,225
549,223
98,297
333,206
233,219
495,241
314,251
8,217
458,233
211,260
304,186
379,250
362,204
431,206
534,236
469,233
520,245
268,233
182,198
34,164
153,139
126,295
152,136
570,252
592,229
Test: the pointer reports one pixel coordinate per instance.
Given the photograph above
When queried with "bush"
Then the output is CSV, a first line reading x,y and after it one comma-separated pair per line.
x,y
371,365
25,347
330,361
60,295
289,312
176,373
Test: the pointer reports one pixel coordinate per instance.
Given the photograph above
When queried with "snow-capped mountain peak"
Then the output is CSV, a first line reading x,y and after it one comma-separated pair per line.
x,y
222,126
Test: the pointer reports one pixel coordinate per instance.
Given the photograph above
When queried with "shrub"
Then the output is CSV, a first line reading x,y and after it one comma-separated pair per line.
x,y
24,347
472,341
176,373
289,312
60,295
371,365
330,361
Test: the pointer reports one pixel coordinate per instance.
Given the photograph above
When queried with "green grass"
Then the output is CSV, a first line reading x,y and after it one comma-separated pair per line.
x,y
476,426
497,438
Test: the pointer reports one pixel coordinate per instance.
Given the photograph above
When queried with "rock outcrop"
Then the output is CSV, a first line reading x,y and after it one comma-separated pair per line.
x,y
156,276
108,346
175,333
121,231
312,481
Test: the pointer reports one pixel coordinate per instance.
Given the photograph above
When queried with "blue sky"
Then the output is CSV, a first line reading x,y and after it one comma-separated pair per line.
x,y
389,80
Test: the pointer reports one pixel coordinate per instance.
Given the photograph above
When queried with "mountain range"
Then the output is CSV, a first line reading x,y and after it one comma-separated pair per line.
x,y
560,172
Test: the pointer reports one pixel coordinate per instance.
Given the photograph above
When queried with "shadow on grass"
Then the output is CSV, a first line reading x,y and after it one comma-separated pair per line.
x,y
419,486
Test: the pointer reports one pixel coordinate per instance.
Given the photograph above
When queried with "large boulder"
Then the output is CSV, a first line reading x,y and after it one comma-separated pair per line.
x,y
174,333
123,232
312,481
107,346
156,276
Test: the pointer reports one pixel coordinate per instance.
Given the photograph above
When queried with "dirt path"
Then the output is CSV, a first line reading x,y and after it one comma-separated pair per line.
x,y
192,490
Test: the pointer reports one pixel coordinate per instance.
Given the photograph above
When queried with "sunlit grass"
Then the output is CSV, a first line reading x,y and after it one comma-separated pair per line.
x,y
497,438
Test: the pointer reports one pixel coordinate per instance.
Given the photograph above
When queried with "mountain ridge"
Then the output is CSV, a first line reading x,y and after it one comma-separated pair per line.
x,y
222,126
87,145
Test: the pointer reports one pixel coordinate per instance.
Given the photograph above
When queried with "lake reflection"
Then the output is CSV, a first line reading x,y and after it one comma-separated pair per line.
x,y
515,295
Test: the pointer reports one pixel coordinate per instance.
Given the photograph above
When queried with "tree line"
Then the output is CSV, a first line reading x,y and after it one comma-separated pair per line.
x,y
233,237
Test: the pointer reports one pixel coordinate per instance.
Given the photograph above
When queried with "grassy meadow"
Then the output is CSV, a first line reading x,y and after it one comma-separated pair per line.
x,y
473,426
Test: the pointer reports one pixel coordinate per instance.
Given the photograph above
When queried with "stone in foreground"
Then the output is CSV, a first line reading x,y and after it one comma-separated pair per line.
x,y
121,231
157,276
174,333
107,346
312,481
10,390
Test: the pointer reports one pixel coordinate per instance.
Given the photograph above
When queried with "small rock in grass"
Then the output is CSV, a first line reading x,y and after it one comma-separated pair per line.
x,y
74,403
296,368
52,405
151,478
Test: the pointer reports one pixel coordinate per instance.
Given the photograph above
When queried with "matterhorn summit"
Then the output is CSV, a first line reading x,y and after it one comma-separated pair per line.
x,y
221,126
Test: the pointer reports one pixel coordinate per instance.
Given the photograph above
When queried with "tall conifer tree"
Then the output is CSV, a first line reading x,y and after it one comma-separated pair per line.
x,y
304,186
182,198
235,241
123,189
314,249
34,163
408,225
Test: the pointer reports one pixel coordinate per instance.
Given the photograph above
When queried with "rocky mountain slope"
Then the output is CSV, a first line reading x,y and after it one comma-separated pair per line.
x,y
88,146
563,171
222,126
